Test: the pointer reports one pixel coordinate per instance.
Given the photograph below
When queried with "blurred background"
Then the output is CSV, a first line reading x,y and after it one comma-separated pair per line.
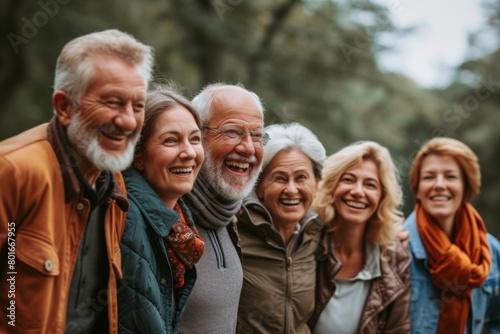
x,y
398,71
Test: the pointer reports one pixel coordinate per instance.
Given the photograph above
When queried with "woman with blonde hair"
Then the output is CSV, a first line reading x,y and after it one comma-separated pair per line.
x,y
363,279
454,271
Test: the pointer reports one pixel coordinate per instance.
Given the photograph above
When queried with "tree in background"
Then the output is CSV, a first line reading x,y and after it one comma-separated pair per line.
x,y
313,62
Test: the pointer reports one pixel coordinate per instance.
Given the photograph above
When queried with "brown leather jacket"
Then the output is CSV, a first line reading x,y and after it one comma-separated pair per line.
x,y
42,207
387,306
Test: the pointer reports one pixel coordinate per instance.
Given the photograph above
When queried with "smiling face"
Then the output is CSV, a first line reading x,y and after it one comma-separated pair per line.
x,y
232,170
358,194
440,188
173,155
287,187
106,123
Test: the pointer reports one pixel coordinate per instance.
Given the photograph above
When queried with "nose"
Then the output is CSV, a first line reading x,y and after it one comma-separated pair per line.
x,y
439,182
246,147
291,187
187,151
127,119
357,189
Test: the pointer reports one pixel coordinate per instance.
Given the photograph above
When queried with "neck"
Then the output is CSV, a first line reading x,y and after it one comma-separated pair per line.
x,y
447,226
286,230
349,238
89,171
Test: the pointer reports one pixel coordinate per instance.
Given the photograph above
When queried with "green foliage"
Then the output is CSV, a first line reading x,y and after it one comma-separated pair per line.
x,y
313,62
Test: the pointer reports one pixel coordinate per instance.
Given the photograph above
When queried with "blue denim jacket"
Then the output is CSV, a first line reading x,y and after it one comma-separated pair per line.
x,y
426,298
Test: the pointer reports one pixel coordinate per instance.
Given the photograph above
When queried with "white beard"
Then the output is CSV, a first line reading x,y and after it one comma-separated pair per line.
x,y
228,186
87,144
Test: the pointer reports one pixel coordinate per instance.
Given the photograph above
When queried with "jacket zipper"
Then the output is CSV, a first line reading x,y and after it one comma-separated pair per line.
x,y
289,263
219,254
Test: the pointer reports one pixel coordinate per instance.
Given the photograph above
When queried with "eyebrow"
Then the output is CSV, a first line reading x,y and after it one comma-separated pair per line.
x,y
175,132
367,179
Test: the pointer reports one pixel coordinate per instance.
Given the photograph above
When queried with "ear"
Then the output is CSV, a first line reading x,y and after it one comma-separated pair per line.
x,y
63,107
139,165
258,191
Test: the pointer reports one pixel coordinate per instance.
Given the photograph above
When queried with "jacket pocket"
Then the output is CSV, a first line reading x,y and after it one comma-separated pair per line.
x,y
35,291
38,254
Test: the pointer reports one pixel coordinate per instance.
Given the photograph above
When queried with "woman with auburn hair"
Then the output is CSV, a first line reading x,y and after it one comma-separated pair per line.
x,y
455,268
363,278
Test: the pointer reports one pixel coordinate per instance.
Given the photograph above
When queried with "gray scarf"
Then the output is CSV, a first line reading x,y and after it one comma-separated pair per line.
x,y
208,208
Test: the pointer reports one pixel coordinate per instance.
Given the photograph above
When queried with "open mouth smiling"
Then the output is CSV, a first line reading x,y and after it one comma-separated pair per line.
x,y
237,166
290,202
181,171
356,205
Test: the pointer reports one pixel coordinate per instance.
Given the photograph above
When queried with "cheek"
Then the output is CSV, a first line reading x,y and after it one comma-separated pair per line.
x,y
139,118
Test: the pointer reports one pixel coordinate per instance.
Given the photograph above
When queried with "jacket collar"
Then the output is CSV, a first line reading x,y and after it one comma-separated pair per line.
x,y
66,155
416,244
160,217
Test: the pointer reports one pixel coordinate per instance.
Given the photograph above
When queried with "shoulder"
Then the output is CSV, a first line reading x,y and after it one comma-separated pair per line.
x,y
494,248
399,258
19,153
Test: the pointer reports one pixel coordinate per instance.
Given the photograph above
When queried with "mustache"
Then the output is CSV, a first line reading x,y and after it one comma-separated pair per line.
x,y
240,158
111,129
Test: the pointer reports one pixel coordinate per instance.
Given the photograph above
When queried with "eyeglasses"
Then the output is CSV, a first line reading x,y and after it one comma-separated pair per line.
x,y
234,134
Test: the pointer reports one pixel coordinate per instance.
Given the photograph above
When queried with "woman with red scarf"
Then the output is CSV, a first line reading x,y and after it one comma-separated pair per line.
x,y
455,268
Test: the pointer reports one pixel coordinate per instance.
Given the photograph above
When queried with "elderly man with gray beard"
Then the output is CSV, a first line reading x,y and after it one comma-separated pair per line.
x,y
63,204
234,140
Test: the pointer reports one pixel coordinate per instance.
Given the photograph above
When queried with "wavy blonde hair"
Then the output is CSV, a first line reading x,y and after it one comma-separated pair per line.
x,y
463,155
380,229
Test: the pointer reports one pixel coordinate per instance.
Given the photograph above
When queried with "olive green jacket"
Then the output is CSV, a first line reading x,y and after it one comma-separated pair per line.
x,y
278,279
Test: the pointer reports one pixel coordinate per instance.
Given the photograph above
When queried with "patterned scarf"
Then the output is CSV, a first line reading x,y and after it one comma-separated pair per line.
x,y
456,267
184,244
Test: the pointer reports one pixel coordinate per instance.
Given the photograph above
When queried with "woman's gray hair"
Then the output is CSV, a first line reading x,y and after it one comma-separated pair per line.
x,y
285,137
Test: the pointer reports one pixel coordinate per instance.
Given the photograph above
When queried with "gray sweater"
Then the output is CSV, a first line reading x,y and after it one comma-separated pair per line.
x,y
212,307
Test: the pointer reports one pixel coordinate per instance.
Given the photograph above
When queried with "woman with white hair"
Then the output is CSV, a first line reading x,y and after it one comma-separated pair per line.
x,y
279,235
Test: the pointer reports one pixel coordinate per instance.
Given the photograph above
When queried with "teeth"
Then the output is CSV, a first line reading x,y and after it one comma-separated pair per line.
x,y
439,198
356,205
182,170
290,201
242,165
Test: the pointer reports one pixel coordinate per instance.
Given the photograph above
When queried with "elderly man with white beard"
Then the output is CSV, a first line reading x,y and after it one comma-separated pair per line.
x,y
234,141
63,204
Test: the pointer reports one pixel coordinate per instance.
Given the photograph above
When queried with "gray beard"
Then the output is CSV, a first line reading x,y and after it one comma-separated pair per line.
x,y
86,143
224,184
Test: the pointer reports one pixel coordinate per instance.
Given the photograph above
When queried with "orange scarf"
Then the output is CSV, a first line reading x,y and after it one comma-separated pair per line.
x,y
455,267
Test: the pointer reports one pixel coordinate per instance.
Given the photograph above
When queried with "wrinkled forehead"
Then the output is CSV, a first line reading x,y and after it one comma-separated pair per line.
x,y
240,109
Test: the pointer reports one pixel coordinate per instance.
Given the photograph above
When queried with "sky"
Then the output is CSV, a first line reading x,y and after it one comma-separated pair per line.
x,y
429,54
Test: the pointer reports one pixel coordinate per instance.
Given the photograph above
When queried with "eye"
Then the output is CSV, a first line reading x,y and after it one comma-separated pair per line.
x,y
138,107
170,140
114,103
372,185
280,179
257,136
232,133
195,139
347,179
302,177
